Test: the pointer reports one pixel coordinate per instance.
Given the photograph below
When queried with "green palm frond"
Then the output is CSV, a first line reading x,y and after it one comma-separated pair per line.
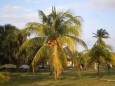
x,y
101,33
68,41
91,61
37,41
76,20
42,16
39,29
30,47
80,41
109,47
62,56
72,30
71,55
55,23
44,51
29,53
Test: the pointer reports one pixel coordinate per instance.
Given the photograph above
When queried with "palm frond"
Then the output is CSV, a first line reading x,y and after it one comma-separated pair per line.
x,y
75,20
37,41
91,61
68,41
42,16
109,47
71,55
4,76
29,47
62,56
101,33
72,30
41,53
80,41
55,23
37,28
56,62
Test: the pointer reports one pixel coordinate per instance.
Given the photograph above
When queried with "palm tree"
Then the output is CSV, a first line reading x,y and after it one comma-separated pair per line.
x,y
100,52
78,59
57,30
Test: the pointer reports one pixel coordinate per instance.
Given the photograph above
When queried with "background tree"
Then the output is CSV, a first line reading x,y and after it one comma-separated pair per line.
x,y
11,39
58,29
78,59
100,52
8,41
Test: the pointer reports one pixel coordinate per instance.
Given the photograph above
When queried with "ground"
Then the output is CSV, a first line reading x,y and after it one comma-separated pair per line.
x,y
69,78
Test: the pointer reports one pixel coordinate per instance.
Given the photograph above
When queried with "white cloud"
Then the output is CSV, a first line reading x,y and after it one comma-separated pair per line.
x,y
14,9
18,15
58,8
34,1
104,4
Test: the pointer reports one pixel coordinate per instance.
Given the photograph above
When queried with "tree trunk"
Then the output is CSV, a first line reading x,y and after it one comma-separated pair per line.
x,y
33,69
62,72
98,69
56,76
108,67
43,66
51,73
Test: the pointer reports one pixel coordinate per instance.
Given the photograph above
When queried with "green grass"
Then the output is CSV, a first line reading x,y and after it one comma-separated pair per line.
x,y
69,78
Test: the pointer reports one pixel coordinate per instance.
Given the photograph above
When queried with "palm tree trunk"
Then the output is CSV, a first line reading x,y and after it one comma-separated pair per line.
x,y
33,70
56,77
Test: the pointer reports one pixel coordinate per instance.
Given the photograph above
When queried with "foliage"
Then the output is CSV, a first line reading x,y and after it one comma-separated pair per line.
x,y
11,39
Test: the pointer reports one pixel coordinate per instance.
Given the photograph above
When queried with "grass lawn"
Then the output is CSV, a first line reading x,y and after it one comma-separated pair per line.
x,y
69,78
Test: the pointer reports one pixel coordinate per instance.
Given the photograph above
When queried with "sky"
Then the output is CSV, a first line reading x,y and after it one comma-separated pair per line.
x,y
96,14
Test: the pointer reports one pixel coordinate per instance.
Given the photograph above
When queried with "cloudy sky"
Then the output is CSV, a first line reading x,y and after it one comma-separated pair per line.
x,y
95,13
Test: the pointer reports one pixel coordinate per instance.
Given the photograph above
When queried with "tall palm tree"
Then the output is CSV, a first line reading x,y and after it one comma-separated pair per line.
x,y
100,52
57,30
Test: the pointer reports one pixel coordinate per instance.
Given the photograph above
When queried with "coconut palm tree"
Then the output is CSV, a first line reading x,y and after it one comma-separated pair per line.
x,y
56,31
78,59
100,52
